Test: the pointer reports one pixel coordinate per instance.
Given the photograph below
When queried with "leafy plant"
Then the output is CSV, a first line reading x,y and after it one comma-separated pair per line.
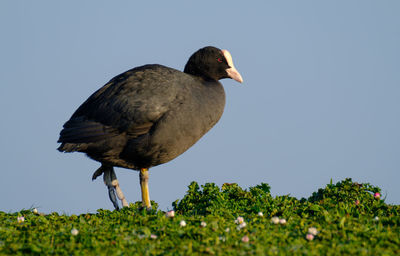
x,y
343,218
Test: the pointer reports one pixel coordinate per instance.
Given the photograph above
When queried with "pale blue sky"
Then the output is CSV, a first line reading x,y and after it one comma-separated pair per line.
x,y
320,97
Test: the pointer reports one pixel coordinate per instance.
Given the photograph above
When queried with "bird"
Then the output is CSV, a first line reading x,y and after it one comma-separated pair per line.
x,y
148,116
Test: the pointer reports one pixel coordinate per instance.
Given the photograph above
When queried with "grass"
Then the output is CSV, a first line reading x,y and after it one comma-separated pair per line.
x,y
349,218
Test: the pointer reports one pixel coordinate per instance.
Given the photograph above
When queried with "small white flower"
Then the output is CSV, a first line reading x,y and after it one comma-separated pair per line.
x,y
313,231
170,214
227,230
245,239
260,214
275,220
242,225
309,237
203,224
222,238
239,220
20,219
152,236
182,223
376,218
35,211
74,232
282,221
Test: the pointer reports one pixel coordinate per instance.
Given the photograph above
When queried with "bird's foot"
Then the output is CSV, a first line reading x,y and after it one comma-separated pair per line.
x,y
114,190
120,195
113,198
98,172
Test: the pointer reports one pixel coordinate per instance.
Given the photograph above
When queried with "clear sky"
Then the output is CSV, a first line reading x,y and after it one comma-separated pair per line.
x,y
320,98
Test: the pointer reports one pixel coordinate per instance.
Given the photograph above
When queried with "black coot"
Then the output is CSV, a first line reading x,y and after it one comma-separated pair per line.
x,y
148,116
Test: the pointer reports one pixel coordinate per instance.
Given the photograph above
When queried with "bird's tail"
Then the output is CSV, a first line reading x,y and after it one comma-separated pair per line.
x,y
72,147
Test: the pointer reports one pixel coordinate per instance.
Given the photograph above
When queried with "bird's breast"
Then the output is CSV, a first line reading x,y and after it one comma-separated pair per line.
x,y
182,126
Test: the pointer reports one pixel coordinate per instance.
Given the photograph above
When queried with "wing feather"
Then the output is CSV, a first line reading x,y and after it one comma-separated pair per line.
x,y
130,104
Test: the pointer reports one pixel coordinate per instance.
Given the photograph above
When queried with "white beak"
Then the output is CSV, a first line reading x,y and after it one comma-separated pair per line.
x,y
232,72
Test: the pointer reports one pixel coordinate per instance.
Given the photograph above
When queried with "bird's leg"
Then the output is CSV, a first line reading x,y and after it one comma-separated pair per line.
x,y
115,184
108,174
144,185
111,189
110,179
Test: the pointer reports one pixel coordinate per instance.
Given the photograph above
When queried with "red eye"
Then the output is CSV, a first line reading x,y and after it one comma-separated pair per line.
x,y
219,60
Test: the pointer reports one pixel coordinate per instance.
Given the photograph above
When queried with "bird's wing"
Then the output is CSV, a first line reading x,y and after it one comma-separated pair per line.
x,y
130,103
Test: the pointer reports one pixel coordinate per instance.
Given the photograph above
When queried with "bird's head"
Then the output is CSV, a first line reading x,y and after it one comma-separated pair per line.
x,y
212,63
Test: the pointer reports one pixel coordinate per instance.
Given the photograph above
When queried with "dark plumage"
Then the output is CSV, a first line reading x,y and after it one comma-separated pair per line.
x,y
151,114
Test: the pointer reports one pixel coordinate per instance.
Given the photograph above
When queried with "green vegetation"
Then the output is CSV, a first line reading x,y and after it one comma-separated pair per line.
x,y
346,218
